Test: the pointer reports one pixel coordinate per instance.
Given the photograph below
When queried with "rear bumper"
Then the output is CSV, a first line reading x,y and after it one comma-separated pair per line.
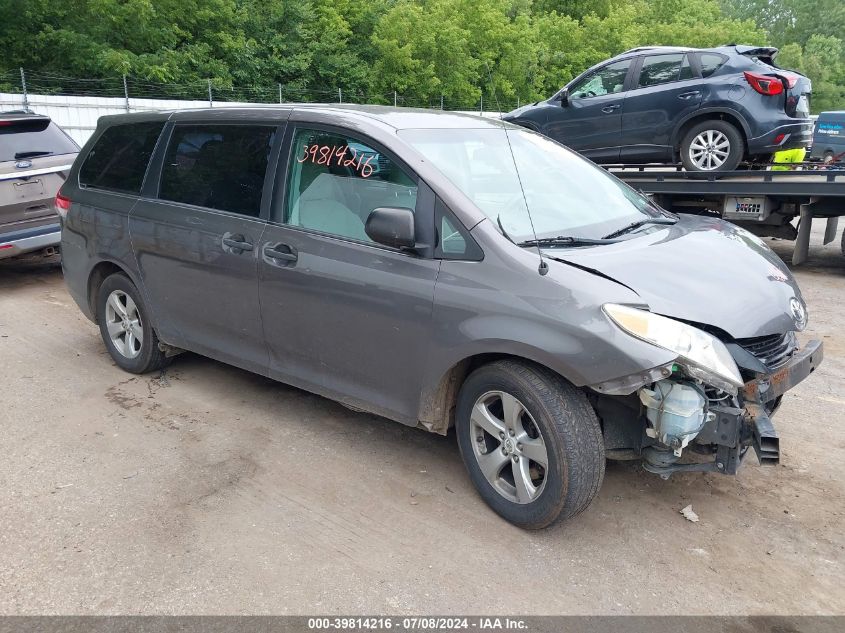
x,y
29,240
795,135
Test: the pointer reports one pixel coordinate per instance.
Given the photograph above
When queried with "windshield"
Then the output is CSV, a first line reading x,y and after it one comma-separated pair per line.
x,y
31,138
566,194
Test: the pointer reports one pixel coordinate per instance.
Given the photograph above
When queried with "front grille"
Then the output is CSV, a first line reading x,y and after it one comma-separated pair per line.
x,y
774,351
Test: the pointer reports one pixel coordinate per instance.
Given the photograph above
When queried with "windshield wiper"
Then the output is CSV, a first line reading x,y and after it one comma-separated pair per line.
x,y
32,154
638,224
567,240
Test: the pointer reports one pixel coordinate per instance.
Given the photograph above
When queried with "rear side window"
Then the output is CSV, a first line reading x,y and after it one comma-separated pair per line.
x,y
119,158
30,138
662,69
710,63
217,166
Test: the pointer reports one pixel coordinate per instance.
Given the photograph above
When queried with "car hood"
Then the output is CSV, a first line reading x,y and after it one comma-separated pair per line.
x,y
699,270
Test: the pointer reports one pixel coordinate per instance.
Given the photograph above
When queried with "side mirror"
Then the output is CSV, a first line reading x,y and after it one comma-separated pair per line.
x,y
391,226
563,97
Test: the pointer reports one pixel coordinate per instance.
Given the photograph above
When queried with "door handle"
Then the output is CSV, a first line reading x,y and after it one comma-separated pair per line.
x,y
276,253
610,108
689,95
236,243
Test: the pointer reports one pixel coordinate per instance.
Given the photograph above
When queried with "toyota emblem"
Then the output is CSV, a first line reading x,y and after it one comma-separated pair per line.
x,y
799,312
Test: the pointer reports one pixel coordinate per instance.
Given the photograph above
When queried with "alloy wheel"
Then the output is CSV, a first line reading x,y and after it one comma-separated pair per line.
x,y
508,447
709,150
123,323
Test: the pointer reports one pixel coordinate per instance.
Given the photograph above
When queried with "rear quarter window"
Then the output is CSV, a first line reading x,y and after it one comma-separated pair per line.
x,y
119,158
710,63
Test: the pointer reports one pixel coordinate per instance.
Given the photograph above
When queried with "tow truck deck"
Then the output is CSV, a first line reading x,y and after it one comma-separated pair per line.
x,y
764,201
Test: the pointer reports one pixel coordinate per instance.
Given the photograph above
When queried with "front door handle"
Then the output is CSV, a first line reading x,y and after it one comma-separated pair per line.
x,y
689,95
236,243
611,108
278,253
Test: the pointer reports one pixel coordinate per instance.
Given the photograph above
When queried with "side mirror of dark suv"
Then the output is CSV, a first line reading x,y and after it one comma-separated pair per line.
x,y
563,97
391,226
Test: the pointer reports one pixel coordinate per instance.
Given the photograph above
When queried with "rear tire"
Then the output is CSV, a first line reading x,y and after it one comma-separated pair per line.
x,y
126,328
713,145
510,409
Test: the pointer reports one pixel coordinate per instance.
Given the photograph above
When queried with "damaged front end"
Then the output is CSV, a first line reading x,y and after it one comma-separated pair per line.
x,y
716,400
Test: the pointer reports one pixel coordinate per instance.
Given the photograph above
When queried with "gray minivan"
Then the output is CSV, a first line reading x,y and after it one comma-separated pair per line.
x,y
441,270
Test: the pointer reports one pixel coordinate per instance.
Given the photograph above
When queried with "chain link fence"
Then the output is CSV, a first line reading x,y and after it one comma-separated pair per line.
x,y
26,82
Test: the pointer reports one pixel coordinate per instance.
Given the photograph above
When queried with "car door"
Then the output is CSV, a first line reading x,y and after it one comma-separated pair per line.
x,y
195,234
589,120
664,92
344,316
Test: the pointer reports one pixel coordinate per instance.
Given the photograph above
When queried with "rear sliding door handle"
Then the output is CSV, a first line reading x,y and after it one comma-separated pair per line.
x,y
611,108
236,243
278,253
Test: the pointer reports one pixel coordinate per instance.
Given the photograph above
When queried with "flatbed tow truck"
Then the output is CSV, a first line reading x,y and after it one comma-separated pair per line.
x,y
763,201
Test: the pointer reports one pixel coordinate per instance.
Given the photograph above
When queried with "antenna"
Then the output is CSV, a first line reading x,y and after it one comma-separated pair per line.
x,y
544,267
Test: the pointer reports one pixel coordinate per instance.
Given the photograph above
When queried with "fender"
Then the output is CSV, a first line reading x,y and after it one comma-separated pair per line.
x,y
527,124
121,266
549,346
704,113
441,386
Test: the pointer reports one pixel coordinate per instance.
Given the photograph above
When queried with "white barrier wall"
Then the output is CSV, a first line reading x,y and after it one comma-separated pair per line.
x,y
78,115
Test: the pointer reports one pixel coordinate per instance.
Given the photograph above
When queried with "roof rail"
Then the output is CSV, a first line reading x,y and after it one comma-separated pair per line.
x,y
656,48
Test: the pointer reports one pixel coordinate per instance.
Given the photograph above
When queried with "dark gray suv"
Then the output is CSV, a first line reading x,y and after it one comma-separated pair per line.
x,y
440,270
708,108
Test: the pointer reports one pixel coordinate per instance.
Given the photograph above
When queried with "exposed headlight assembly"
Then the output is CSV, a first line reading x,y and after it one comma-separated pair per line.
x,y
703,356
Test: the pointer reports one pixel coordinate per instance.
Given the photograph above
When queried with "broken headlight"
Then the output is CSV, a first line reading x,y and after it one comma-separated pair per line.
x,y
703,356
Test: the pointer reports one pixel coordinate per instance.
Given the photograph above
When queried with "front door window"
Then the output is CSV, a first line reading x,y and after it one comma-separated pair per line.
x,y
336,181
607,80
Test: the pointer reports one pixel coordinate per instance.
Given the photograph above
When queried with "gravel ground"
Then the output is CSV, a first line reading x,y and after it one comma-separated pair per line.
x,y
207,489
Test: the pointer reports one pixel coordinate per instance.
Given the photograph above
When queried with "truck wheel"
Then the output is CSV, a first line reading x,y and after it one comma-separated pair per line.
x,y
713,145
125,326
530,441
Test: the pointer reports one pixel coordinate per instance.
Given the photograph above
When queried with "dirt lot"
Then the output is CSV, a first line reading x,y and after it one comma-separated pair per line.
x,y
211,490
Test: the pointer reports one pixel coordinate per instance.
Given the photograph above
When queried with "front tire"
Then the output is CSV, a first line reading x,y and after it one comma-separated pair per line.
x,y
126,328
531,443
713,145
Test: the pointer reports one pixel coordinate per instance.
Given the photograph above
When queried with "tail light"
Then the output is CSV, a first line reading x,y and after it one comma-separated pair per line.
x,y
791,80
62,205
765,84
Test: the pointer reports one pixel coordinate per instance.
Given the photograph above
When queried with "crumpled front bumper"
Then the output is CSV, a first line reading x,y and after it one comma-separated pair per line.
x,y
768,387
733,429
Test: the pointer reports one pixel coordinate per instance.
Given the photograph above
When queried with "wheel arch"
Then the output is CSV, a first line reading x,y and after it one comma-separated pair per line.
x,y
98,274
734,118
527,124
437,403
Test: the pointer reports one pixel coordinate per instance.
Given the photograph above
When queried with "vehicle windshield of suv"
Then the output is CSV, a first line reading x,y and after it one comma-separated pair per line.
x,y
566,194
31,138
